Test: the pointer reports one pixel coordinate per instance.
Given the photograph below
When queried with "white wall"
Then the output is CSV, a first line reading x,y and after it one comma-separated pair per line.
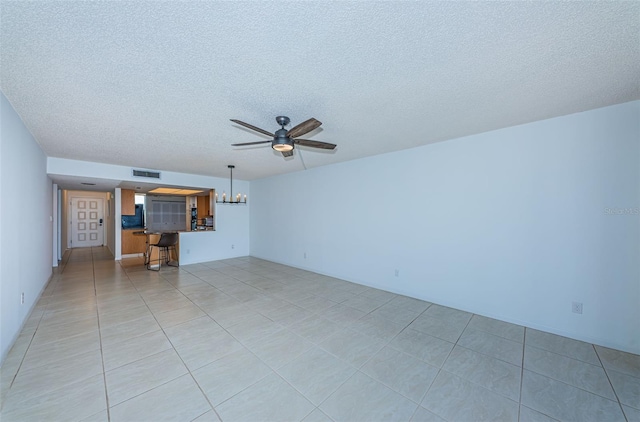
x,y
117,235
110,219
64,227
26,241
55,226
511,224
229,240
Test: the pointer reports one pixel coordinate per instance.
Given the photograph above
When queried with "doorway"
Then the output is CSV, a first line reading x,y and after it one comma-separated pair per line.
x,y
87,222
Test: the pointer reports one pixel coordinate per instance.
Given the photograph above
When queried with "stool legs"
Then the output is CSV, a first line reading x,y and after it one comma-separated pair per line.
x,y
147,253
164,254
168,250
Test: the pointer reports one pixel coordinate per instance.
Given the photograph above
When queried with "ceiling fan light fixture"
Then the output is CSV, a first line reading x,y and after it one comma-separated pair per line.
x,y
282,147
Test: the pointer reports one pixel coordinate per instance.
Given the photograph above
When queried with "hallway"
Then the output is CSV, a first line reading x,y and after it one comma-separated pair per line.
x,y
246,340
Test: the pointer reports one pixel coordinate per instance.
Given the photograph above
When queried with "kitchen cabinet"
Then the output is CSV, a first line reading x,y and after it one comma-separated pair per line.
x,y
133,243
128,200
204,208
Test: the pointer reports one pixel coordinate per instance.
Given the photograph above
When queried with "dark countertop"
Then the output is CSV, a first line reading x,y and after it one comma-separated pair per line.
x,y
143,232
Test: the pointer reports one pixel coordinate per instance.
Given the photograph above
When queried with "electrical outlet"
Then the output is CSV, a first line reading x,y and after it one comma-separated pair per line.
x,y
305,255
233,246
22,298
188,251
397,273
576,307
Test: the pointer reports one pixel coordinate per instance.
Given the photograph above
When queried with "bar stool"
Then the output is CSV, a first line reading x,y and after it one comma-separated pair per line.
x,y
166,244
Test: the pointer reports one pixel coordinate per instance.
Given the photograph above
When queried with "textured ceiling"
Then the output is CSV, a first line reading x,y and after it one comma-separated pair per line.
x,y
154,84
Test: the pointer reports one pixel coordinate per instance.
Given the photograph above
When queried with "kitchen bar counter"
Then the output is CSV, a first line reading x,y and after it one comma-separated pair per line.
x,y
201,246
193,246
146,232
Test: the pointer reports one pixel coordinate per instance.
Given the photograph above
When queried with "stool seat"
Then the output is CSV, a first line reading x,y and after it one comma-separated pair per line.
x,y
165,244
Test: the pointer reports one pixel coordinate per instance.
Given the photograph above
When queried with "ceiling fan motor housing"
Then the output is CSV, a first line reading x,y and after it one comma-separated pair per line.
x,y
281,142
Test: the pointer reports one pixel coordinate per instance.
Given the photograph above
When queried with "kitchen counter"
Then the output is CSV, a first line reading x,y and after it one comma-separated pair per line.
x,y
193,246
132,243
146,232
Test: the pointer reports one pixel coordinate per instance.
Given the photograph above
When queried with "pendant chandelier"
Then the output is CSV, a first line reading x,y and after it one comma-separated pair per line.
x,y
237,199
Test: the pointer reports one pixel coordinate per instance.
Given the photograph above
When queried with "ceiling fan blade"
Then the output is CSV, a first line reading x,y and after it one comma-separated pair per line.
x,y
250,143
248,126
314,144
287,153
304,127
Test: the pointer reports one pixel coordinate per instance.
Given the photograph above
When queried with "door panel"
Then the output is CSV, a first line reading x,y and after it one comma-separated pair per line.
x,y
87,228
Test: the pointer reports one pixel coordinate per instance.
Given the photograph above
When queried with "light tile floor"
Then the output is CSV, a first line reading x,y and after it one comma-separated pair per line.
x,y
250,340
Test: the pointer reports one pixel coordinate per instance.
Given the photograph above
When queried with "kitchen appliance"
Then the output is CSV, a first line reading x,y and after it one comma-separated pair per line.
x,y
194,219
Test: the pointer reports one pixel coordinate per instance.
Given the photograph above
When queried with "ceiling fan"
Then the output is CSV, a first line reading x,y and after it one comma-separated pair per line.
x,y
284,140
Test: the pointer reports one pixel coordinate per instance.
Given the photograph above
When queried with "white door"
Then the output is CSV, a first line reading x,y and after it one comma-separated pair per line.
x,y
87,222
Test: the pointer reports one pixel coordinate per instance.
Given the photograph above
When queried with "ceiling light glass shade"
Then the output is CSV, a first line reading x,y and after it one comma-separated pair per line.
x,y
282,147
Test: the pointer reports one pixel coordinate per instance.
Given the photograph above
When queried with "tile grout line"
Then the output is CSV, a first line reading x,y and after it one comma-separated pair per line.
x,y
557,379
42,316
274,371
213,409
415,357
145,303
524,342
104,372
606,373
14,376
518,402
445,359
172,346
